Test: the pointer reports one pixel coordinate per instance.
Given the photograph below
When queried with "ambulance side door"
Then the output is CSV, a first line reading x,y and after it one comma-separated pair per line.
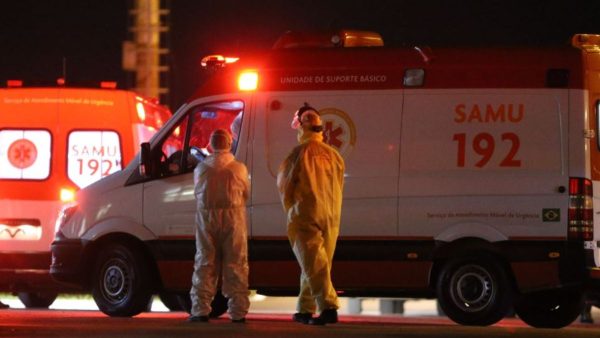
x,y
169,202
364,127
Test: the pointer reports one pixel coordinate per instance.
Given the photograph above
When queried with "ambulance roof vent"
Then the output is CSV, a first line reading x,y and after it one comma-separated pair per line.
x,y
587,42
342,38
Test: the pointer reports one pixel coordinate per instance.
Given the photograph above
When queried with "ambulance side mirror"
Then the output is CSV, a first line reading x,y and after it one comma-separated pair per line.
x,y
145,159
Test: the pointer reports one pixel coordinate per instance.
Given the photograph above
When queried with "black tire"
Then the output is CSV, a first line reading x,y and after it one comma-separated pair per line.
x,y
171,301
37,300
474,290
550,309
218,305
121,284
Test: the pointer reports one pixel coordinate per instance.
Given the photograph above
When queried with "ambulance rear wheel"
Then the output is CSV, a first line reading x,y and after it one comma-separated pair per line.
x,y
550,309
37,300
474,290
120,284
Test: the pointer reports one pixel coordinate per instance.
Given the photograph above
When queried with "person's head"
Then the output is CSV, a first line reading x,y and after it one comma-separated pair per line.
x,y
220,140
307,118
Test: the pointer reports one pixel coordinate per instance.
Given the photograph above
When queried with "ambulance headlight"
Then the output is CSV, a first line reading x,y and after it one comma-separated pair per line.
x,y
63,217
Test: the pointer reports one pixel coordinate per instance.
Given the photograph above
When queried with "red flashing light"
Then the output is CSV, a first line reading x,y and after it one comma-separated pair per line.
x,y
108,84
217,60
60,81
14,83
248,80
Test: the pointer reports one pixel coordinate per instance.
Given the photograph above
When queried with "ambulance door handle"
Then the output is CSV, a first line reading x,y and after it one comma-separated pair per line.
x,y
562,189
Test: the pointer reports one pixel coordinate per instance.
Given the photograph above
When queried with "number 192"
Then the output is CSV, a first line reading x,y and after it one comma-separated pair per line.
x,y
484,145
94,166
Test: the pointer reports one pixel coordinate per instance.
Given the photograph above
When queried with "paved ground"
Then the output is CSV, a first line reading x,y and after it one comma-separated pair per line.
x,y
269,317
261,304
21,323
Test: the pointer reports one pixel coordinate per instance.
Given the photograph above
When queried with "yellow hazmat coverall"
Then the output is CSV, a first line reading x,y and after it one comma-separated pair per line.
x,y
221,189
310,182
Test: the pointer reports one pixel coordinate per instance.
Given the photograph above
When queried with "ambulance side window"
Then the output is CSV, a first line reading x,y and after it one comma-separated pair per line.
x,y
192,135
25,154
207,118
92,154
172,148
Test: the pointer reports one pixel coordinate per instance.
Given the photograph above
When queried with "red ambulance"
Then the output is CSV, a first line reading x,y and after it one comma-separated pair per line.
x,y
53,142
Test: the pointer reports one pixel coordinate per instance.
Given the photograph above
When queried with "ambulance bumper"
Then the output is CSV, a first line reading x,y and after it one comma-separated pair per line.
x,y
25,272
67,262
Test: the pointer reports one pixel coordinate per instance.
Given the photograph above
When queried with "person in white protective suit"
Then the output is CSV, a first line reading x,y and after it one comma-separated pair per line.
x,y
221,189
310,182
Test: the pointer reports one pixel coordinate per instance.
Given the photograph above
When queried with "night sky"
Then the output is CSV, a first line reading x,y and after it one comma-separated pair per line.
x,y
36,35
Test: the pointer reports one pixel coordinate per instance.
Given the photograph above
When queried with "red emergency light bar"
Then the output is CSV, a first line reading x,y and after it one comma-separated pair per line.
x,y
342,38
14,83
108,84
217,60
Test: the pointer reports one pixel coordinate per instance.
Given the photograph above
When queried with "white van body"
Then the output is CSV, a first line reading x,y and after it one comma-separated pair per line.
x,y
469,177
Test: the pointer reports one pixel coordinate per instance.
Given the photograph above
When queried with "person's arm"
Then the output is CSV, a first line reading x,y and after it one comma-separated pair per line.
x,y
246,182
287,177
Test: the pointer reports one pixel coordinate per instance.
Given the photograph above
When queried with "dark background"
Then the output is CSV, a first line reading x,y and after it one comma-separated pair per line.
x,y
37,35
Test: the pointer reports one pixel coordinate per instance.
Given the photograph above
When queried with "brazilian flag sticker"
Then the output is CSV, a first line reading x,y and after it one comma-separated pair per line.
x,y
550,215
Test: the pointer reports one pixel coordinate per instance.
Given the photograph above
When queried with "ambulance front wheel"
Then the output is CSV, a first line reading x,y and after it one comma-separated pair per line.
x,y
550,309
121,281
474,290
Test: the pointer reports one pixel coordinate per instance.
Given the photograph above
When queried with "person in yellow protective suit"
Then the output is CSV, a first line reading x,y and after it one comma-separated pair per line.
x,y
310,182
221,189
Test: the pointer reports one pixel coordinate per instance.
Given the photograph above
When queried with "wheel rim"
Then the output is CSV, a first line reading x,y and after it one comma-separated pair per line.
x,y
472,288
116,281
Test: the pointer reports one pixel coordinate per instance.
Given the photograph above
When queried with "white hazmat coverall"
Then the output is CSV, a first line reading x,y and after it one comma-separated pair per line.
x,y
221,189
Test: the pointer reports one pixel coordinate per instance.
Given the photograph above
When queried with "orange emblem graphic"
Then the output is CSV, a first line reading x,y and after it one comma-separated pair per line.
x,y
22,153
338,130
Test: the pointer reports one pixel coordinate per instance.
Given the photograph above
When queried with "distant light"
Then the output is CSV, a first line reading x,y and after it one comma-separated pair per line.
x,y
248,80
141,111
67,194
14,83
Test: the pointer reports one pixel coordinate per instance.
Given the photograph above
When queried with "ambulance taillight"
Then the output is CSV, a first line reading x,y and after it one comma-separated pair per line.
x,y
581,213
67,195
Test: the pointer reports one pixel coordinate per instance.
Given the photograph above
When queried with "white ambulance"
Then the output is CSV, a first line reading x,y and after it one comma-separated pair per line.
x,y
469,177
